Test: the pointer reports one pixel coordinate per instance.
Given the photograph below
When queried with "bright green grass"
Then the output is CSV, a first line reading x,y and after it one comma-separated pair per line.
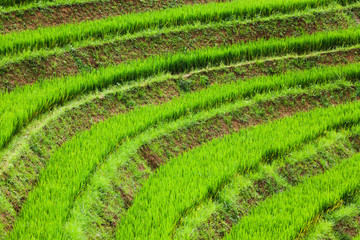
x,y
22,105
284,215
213,12
196,175
85,212
73,163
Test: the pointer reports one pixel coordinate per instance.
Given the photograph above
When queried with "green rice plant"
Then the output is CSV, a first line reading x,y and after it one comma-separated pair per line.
x,y
85,212
17,4
73,163
199,174
325,228
22,105
131,23
149,33
288,213
233,199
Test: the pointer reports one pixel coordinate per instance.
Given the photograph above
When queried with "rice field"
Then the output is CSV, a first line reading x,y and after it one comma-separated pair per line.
x,y
179,119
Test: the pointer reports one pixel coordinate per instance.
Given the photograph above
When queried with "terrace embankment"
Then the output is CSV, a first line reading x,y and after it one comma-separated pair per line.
x,y
88,58
30,19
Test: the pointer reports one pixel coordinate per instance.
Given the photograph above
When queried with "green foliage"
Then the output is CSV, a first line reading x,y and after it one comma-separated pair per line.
x,y
284,215
131,23
22,105
198,174
19,3
72,164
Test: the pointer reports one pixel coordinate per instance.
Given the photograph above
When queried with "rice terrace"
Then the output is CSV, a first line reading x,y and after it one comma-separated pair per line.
x,y
179,119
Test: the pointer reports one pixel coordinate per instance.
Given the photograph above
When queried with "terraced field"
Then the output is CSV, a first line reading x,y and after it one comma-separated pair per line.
x,y
179,119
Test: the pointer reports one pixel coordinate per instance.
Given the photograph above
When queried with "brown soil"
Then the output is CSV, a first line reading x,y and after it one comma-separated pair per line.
x,y
344,228
267,187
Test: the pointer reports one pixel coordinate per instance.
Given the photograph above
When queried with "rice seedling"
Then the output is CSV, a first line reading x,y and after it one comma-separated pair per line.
x,y
131,23
22,105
